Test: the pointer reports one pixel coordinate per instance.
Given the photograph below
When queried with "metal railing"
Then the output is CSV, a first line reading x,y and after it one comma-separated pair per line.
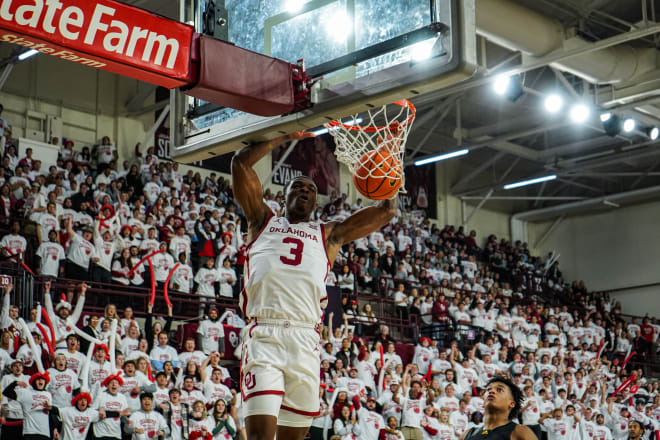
x,y
23,287
185,305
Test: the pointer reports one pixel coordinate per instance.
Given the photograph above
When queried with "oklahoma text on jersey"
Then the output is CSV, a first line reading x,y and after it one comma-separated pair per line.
x,y
286,268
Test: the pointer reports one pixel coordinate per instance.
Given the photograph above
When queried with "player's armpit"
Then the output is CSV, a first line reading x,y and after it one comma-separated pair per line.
x,y
358,225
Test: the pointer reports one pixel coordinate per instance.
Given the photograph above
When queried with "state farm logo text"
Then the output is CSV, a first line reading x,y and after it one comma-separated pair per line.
x,y
106,29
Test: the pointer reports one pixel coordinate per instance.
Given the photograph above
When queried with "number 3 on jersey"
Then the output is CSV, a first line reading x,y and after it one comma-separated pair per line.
x,y
296,250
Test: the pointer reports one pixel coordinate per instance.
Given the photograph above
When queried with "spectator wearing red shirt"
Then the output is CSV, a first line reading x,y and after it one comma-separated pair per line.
x,y
440,314
471,241
647,331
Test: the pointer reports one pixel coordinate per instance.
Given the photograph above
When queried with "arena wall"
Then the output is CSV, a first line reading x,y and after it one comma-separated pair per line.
x,y
618,249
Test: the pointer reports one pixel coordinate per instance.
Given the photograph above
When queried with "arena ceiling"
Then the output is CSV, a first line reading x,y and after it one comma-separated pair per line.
x,y
514,141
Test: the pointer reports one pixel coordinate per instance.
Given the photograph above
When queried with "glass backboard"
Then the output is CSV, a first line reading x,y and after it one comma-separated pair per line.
x,y
364,53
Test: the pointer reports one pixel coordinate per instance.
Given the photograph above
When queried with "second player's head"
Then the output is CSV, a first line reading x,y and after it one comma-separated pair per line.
x,y
502,395
300,195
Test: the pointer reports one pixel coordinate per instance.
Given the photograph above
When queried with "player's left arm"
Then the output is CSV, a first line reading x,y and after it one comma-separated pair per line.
x,y
522,432
358,225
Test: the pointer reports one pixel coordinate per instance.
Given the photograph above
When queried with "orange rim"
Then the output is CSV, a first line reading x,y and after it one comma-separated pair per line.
x,y
372,129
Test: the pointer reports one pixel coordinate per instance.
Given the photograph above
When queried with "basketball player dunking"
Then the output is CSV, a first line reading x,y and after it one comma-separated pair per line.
x,y
288,259
503,400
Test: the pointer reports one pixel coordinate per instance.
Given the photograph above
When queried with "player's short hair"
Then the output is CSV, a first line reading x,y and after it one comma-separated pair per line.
x,y
290,182
516,394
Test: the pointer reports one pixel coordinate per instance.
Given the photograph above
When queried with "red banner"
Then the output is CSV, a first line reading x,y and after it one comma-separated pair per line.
x,y
104,34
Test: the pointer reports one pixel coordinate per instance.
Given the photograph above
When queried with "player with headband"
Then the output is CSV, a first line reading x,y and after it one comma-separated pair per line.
x,y
287,262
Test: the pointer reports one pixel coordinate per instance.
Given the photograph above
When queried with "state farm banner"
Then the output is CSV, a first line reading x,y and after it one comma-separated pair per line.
x,y
313,157
104,34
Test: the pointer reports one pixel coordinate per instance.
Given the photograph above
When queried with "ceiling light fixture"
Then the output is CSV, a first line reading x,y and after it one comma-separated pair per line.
x,y
530,181
442,157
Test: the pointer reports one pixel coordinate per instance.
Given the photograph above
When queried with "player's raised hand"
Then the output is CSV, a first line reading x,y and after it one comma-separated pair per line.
x,y
300,135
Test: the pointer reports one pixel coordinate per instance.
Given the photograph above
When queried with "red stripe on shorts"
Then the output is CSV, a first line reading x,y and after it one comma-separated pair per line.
x,y
302,413
263,393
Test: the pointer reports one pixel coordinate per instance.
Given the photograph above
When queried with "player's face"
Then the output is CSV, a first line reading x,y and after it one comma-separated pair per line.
x,y
498,396
301,197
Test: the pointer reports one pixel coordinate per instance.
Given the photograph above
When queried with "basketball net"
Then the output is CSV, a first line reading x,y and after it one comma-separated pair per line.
x,y
385,130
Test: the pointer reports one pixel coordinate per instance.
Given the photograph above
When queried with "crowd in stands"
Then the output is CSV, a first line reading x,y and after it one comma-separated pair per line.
x,y
477,309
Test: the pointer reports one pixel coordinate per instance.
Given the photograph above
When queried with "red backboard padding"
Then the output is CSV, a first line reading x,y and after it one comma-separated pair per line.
x,y
241,79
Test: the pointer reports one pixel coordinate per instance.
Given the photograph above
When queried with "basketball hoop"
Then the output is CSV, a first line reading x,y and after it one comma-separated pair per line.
x,y
386,130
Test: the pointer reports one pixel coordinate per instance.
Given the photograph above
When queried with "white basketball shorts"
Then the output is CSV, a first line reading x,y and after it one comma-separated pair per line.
x,y
280,371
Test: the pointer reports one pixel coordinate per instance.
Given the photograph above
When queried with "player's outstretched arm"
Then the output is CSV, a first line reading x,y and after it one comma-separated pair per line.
x,y
358,225
246,183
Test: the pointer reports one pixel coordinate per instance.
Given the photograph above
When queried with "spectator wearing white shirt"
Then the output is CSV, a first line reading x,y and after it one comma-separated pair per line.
x,y
206,277
106,152
152,189
227,279
50,255
346,280
162,353
180,243
183,276
210,334
37,203
14,241
48,221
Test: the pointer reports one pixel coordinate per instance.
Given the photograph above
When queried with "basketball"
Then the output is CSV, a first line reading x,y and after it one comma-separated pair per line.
x,y
378,175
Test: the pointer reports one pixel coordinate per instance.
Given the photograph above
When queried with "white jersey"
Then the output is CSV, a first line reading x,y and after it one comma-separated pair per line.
x,y
287,266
